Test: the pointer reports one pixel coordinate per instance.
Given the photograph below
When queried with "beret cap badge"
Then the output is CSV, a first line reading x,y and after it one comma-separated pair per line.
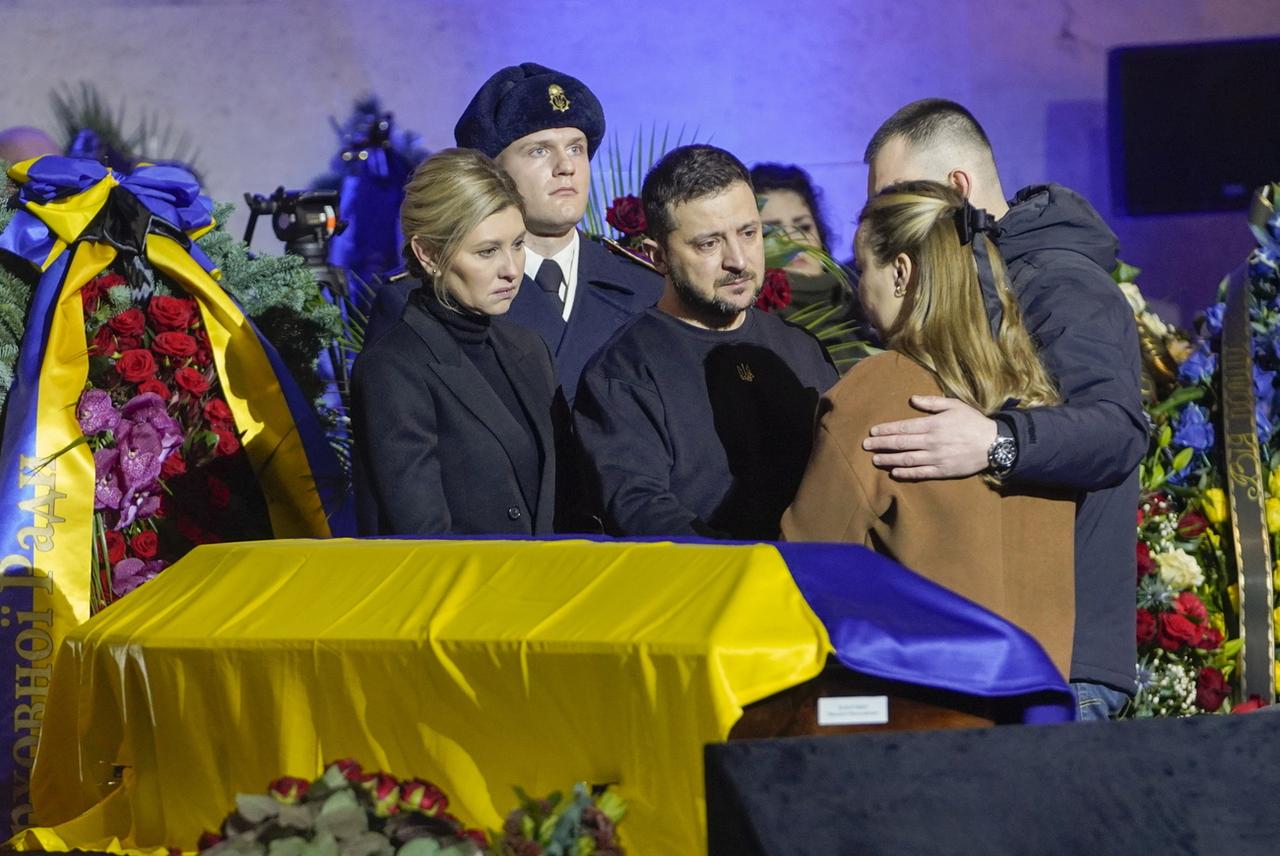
x,y
559,101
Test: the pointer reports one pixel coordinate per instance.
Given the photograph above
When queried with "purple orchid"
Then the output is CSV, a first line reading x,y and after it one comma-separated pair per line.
x,y
149,409
128,574
141,455
96,413
107,492
137,505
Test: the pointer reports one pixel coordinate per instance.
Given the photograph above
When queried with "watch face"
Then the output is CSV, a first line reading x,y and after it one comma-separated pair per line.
x,y
1002,454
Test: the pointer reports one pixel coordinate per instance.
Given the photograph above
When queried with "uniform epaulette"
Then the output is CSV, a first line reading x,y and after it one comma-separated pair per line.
x,y
629,254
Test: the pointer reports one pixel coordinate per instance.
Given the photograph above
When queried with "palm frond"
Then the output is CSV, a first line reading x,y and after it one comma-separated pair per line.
x,y
619,171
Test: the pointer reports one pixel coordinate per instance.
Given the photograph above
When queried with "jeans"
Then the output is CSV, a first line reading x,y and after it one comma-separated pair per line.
x,y
1097,702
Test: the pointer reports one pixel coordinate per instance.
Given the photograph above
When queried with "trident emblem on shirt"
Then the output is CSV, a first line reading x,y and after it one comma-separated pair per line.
x,y
745,373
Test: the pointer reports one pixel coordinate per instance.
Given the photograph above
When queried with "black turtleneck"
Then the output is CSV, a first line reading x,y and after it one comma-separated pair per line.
x,y
471,331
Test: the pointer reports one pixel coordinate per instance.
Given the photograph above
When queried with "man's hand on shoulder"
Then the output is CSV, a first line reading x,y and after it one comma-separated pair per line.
x,y
951,443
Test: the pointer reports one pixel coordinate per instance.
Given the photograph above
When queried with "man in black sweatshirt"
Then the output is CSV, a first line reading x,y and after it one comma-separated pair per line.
x,y
697,417
1059,254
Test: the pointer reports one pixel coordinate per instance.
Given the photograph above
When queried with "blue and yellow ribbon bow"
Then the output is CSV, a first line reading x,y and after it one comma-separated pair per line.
x,y
76,218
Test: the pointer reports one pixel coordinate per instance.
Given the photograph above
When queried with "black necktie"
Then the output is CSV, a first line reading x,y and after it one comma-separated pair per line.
x,y
549,278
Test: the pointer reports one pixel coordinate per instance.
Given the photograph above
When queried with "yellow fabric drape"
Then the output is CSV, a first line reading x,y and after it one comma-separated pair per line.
x,y
478,664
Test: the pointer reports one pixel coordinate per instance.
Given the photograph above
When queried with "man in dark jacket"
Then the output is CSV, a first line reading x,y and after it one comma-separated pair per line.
x,y
542,127
1058,252
697,417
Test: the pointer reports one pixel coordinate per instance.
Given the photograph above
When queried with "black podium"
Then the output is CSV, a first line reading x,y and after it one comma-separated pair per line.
x,y
1208,785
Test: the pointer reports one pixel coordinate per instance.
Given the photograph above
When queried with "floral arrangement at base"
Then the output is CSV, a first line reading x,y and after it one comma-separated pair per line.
x,y
350,812
580,826
1184,658
1187,601
345,812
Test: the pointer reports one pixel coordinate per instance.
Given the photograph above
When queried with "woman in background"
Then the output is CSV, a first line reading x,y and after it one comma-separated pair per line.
x,y
934,287
790,203
452,406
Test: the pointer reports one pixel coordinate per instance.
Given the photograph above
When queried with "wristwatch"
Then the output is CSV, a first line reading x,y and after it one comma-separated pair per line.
x,y
1003,453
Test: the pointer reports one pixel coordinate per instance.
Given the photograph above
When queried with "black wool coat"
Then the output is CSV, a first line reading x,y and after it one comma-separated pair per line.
x,y
611,290
436,450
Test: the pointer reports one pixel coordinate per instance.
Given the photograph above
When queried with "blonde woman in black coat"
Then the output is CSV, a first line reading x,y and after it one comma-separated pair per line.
x,y
453,406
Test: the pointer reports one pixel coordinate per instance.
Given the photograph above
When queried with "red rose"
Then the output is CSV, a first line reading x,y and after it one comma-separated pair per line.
x,y
351,770
1254,703
174,344
1210,639
1189,605
1211,689
219,493
776,293
170,313
228,443
626,214
174,465
1192,525
417,795
153,385
289,789
1176,631
192,380
385,791
1146,564
136,365
204,353
115,546
104,342
207,840
217,412
1146,626
1142,516
131,322
90,294
144,544
191,530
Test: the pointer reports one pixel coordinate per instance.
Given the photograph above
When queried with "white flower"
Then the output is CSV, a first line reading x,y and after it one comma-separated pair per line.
x,y
1154,324
1131,293
1179,570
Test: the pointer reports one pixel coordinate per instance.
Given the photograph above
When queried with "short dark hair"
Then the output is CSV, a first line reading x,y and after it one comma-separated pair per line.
x,y
684,173
782,176
924,121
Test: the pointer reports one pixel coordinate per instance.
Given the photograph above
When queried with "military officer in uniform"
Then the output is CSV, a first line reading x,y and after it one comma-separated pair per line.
x,y
542,127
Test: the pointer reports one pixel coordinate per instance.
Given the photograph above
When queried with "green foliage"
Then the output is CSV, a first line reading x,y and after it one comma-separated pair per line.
x,y
81,107
584,825
15,299
282,298
620,172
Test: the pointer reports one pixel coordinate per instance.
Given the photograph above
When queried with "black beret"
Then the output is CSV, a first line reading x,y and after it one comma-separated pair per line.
x,y
522,99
